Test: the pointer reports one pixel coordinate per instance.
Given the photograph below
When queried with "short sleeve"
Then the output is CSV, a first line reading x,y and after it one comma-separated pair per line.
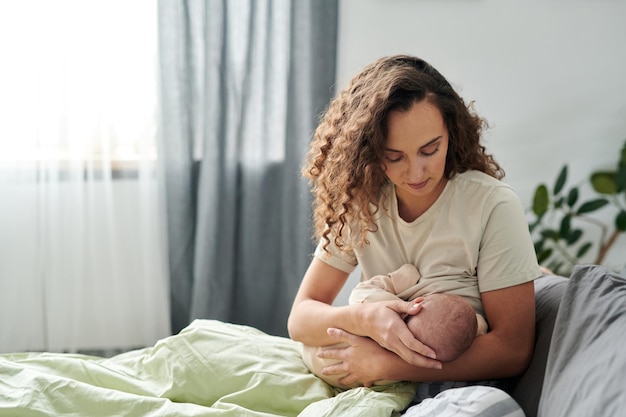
x,y
335,257
506,253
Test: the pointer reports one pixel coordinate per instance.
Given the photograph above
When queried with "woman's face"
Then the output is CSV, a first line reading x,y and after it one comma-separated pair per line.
x,y
415,156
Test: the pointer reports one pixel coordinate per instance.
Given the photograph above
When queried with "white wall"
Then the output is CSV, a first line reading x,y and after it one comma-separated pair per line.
x,y
547,75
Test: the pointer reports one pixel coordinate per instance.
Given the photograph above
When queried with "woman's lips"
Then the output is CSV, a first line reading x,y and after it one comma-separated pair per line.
x,y
418,186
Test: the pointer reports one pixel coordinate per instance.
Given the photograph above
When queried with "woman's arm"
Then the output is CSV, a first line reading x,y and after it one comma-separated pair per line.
x,y
312,315
503,352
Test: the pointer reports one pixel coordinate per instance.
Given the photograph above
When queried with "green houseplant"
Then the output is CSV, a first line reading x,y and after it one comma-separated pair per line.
x,y
561,223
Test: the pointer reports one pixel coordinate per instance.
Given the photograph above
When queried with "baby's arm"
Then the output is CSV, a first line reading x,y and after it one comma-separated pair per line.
x,y
385,287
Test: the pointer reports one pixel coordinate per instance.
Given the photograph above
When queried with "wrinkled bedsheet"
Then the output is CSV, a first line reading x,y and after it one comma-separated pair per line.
x,y
210,368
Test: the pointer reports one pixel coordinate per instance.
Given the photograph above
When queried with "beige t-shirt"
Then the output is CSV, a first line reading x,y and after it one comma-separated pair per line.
x,y
473,239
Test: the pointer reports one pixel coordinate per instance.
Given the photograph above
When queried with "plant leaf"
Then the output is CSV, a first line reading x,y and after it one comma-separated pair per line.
x,y
545,254
560,180
555,265
557,268
604,182
592,205
583,250
572,197
541,200
565,226
620,179
550,234
532,226
620,221
620,176
559,203
539,245
574,236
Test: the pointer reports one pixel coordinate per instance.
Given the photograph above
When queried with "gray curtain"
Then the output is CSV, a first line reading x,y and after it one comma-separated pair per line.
x,y
242,85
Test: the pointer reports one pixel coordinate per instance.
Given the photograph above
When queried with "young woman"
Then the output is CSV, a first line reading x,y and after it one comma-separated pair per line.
x,y
399,176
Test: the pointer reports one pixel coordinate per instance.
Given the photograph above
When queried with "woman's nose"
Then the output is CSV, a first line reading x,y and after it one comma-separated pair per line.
x,y
415,170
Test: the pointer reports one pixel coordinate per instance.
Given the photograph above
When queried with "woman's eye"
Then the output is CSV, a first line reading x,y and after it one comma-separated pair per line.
x,y
428,152
393,158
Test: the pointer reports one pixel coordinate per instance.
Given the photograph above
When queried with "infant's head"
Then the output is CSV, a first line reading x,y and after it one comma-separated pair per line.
x,y
447,324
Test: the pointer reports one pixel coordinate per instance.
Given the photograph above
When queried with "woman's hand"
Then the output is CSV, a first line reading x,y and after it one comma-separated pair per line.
x,y
362,360
384,324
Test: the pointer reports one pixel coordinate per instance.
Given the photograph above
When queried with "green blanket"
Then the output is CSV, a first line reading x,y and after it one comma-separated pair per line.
x,y
210,368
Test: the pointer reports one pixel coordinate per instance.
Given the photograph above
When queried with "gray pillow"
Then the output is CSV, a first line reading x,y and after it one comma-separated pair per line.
x,y
586,369
526,389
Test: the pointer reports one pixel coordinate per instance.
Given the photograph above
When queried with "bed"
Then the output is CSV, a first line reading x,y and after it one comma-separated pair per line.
x,y
215,368
209,368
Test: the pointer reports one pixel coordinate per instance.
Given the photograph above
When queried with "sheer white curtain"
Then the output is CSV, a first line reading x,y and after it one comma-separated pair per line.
x,y
81,234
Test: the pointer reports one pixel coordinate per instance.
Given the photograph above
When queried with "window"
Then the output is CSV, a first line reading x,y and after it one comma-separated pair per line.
x,y
78,83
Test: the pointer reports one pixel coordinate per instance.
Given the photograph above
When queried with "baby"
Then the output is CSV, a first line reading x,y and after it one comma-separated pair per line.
x,y
447,323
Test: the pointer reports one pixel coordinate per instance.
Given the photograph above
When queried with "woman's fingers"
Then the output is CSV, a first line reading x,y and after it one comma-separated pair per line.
x,y
419,354
404,338
345,364
335,369
397,337
349,380
342,336
414,306
406,307
413,352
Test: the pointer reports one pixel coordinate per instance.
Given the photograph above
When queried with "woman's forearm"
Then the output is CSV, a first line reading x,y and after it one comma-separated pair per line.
x,y
312,313
309,321
503,352
487,358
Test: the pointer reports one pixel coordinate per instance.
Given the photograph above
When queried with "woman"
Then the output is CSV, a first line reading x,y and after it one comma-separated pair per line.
x,y
399,176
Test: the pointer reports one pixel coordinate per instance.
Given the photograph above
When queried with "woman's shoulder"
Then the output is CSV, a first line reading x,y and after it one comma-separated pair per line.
x,y
472,182
479,178
478,186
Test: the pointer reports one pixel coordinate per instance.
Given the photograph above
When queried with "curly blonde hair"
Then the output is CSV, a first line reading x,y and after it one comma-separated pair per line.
x,y
344,164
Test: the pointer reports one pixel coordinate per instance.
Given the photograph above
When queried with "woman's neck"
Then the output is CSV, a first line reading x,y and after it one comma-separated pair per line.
x,y
411,207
